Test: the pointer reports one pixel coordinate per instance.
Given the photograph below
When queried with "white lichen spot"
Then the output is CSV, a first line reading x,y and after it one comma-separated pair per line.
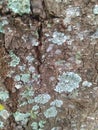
x,y
4,95
32,69
66,20
68,82
95,9
22,68
34,42
58,38
73,12
52,78
1,124
51,112
86,84
82,35
58,52
23,104
4,114
15,60
58,1
56,128
30,58
18,86
42,98
17,78
57,103
21,116
50,47
69,28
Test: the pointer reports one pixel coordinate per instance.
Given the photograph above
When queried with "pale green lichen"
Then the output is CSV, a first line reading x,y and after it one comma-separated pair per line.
x,y
50,112
30,101
35,77
42,98
21,116
34,111
2,23
4,114
95,9
41,124
4,95
57,103
1,28
27,93
38,125
34,126
15,60
58,38
1,124
17,77
68,82
36,107
25,77
33,114
19,6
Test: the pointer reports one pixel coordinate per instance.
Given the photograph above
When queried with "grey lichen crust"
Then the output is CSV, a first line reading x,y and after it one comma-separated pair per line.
x,y
19,6
4,95
42,98
57,103
15,60
21,116
68,82
50,112
58,38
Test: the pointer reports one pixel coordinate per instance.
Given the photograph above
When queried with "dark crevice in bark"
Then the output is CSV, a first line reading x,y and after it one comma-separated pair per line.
x,y
37,18
39,53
